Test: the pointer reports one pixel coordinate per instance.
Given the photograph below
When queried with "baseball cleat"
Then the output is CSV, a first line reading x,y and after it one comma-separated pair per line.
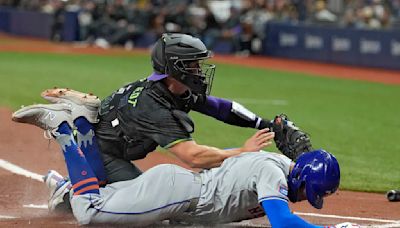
x,y
46,116
393,195
81,104
59,191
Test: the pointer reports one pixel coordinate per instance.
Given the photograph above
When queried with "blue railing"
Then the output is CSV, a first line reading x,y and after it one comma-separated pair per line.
x,y
25,23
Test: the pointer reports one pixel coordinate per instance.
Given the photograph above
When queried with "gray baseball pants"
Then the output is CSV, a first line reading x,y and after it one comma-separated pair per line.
x,y
163,192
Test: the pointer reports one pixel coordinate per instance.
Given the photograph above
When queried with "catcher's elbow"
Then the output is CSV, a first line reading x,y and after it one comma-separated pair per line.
x,y
206,162
193,162
200,156
195,166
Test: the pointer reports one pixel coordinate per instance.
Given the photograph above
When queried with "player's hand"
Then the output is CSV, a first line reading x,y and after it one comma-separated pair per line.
x,y
258,141
347,225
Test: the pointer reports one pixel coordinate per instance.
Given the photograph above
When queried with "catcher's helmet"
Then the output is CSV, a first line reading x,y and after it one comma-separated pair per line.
x,y
318,172
181,56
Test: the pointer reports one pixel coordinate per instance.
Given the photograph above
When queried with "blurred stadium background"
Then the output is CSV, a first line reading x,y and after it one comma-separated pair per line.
x,y
356,32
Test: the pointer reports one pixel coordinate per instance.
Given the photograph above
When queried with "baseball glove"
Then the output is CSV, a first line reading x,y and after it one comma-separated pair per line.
x,y
289,139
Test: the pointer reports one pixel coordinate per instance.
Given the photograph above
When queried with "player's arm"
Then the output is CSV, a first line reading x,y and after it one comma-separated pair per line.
x,y
279,215
289,139
202,156
230,112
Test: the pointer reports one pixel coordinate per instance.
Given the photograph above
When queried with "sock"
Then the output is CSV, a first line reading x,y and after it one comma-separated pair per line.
x,y
88,144
82,177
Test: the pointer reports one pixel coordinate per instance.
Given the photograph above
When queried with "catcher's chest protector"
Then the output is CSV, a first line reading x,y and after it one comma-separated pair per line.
x,y
112,108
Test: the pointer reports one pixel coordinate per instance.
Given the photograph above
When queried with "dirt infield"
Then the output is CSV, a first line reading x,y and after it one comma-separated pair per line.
x,y
23,199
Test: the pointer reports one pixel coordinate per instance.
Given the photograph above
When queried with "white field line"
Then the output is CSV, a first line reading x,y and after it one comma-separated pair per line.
x,y
20,171
245,223
391,225
347,217
7,217
35,206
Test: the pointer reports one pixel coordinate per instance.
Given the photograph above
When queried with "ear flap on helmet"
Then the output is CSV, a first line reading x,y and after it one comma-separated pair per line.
x,y
315,199
158,59
294,183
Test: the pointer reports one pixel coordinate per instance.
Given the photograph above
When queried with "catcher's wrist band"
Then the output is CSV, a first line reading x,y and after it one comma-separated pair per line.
x,y
264,123
243,112
232,113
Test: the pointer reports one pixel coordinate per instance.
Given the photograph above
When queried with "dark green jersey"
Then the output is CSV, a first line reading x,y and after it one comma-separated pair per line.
x,y
137,118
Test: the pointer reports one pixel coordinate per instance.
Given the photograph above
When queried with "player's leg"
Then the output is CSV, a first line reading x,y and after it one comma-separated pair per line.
x,y
163,192
56,119
87,142
82,177
84,112
84,108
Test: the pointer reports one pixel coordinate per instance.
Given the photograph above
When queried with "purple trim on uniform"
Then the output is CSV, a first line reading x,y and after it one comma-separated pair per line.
x,y
156,77
216,107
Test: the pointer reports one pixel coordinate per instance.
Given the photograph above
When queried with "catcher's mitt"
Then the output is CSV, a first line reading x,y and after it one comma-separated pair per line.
x,y
289,139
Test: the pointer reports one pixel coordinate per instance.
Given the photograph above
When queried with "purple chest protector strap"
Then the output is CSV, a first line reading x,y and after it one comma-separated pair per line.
x,y
230,112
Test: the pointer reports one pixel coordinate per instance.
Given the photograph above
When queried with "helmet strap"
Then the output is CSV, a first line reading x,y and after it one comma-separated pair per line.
x,y
163,54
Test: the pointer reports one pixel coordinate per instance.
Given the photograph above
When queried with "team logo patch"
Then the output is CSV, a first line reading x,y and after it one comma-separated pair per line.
x,y
283,190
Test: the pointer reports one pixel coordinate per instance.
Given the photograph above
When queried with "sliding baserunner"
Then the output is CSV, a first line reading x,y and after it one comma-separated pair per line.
x,y
243,187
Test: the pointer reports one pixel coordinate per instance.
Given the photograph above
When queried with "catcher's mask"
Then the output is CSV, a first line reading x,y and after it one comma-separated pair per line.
x,y
318,172
183,57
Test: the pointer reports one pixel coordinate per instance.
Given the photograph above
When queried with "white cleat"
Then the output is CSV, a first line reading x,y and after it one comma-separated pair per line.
x,y
81,104
59,190
46,116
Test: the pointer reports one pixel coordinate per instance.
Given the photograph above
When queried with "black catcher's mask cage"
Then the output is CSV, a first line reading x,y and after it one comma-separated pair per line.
x,y
186,61
195,74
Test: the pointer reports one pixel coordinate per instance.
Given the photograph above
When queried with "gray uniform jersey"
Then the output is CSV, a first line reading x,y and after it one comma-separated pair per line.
x,y
231,192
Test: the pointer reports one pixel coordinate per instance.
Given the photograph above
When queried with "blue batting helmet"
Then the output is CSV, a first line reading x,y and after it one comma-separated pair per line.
x,y
318,171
